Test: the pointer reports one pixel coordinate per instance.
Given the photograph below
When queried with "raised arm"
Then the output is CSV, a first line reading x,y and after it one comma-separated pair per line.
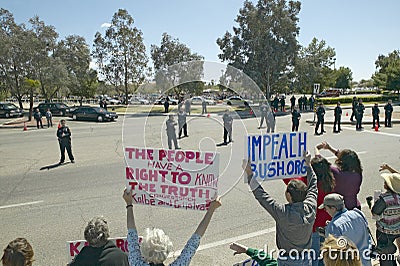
x,y
130,219
327,146
385,166
201,229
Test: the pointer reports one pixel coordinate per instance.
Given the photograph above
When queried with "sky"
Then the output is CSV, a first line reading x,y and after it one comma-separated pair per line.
x,y
358,30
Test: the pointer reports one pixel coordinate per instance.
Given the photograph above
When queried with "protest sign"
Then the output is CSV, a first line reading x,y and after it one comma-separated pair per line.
x,y
75,247
172,178
277,155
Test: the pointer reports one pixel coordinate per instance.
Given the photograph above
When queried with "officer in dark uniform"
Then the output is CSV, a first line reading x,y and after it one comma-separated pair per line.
x,y
338,115
300,103
282,102
359,114
171,134
182,123
354,104
38,117
228,121
292,103
388,114
188,106
166,105
375,115
305,101
203,107
64,140
312,102
276,103
320,119
270,121
295,119
263,112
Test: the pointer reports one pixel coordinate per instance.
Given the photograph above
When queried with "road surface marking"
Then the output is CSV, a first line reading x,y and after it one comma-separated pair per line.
x,y
375,132
21,204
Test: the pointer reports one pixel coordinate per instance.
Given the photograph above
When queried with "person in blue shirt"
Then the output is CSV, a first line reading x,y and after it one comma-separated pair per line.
x,y
351,224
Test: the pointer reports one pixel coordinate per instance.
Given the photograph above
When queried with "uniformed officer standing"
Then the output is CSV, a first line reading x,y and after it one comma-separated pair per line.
x,y
282,102
375,115
320,119
166,105
338,115
171,134
292,103
182,123
354,104
276,103
270,121
64,140
359,114
228,121
188,106
203,107
263,112
388,114
296,119
305,101
312,102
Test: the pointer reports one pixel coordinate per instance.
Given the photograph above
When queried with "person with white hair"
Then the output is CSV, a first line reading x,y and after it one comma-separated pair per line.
x,y
100,251
156,245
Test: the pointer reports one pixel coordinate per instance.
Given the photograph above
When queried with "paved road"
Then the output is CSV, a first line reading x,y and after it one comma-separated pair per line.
x,y
56,204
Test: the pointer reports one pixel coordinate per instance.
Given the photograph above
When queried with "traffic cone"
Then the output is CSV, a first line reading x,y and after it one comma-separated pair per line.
x,y
208,115
25,127
347,113
251,111
376,128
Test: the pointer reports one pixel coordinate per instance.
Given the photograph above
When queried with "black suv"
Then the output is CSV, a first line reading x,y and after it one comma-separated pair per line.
x,y
60,109
10,110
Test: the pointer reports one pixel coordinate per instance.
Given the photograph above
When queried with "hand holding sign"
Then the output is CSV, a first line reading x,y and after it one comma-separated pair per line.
x,y
238,248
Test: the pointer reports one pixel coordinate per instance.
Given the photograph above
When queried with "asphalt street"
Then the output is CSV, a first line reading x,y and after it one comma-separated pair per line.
x,y
51,205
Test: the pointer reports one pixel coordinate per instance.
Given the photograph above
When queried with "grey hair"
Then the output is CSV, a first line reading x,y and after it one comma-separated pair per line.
x,y
155,246
96,232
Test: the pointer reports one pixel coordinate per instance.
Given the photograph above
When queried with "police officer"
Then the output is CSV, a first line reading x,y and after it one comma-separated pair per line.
x,y
171,134
282,102
270,121
188,106
64,139
320,119
203,107
228,121
276,103
359,114
312,102
38,117
263,112
354,104
305,101
292,103
338,115
296,119
388,114
375,115
182,123
166,105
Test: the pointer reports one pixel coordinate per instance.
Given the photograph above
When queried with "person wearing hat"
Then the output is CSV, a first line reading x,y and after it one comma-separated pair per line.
x,y
386,211
171,134
351,224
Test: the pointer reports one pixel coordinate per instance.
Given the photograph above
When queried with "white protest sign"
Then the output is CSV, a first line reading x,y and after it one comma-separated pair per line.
x,y
277,155
172,178
75,247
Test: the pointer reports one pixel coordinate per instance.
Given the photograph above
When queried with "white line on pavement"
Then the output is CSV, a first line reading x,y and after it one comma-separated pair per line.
x,y
375,132
21,204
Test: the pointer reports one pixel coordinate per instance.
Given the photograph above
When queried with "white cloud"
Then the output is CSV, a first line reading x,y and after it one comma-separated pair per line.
x,y
105,25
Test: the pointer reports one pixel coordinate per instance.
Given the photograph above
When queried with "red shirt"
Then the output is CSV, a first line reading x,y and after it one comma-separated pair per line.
x,y
322,216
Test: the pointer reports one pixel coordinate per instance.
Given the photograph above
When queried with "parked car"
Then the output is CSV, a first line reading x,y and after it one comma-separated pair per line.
x,y
57,109
238,101
10,110
199,100
329,93
138,100
93,113
162,100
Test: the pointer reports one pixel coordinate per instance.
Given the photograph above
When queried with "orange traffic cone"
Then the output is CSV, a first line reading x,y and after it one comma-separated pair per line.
x,y
208,115
251,111
347,113
25,127
376,128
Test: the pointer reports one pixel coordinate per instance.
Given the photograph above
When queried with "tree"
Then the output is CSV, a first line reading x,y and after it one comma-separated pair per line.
x,y
344,76
45,66
120,54
264,45
75,53
387,75
169,66
14,55
31,86
313,66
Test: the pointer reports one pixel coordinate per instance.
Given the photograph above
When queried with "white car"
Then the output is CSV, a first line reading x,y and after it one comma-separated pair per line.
x,y
199,100
238,101
138,100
